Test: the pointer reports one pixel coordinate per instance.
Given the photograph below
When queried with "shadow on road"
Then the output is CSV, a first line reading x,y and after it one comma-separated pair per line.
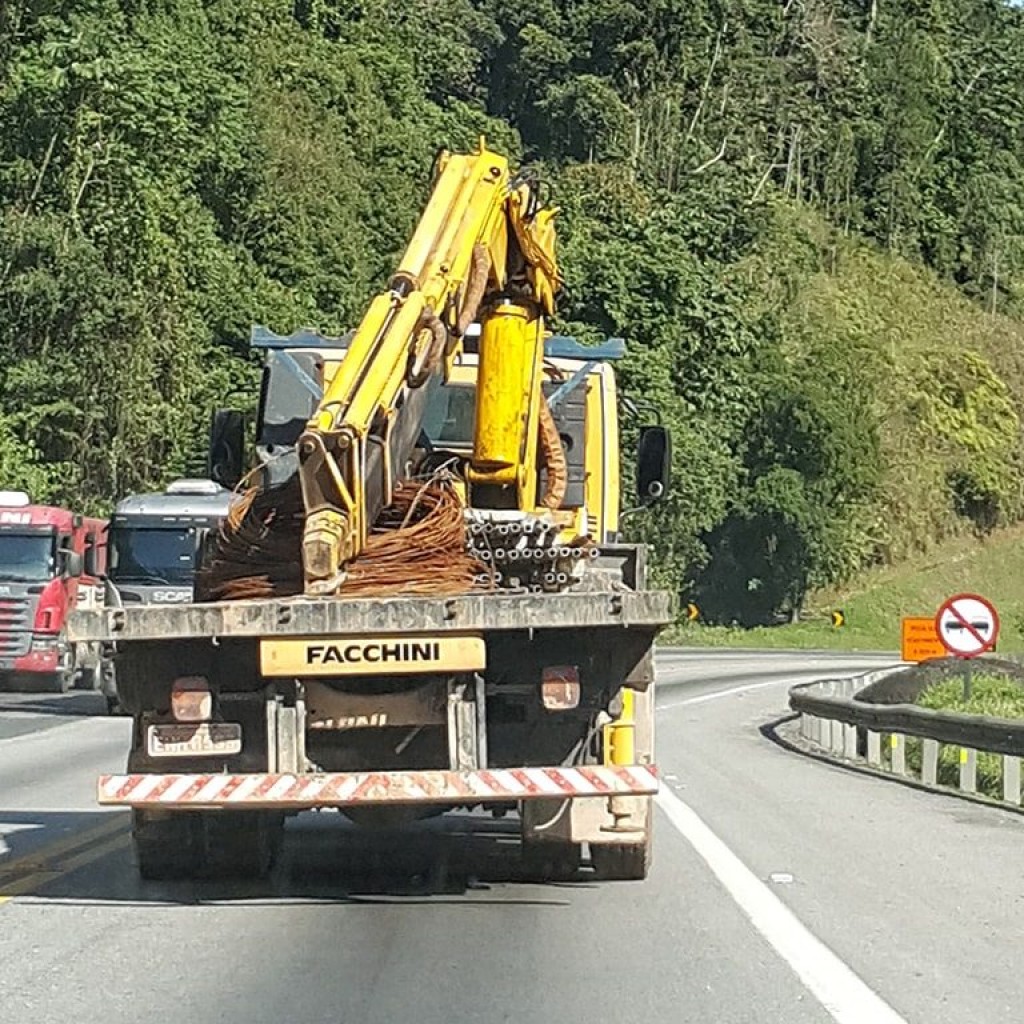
x,y
460,859
82,704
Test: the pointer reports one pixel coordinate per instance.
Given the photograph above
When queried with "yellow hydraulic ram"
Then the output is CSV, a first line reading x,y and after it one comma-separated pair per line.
x,y
484,249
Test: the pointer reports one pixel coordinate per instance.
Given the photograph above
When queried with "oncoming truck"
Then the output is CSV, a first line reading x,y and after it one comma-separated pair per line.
x,y
51,561
422,601
155,540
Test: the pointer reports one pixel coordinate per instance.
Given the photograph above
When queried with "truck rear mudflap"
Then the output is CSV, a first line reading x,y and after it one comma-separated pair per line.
x,y
277,791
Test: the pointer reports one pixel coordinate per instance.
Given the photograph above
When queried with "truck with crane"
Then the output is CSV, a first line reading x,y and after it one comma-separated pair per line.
x,y
421,601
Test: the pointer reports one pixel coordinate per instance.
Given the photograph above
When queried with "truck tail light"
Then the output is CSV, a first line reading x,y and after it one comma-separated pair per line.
x,y
560,687
191,700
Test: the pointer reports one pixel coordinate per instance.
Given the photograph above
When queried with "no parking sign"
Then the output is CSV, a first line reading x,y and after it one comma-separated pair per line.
x,y
968,625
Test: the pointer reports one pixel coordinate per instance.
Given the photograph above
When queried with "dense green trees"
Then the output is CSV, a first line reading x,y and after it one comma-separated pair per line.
x,y
762,197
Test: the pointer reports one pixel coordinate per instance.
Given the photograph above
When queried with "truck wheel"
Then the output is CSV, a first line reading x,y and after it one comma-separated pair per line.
x,y
241,844
166,846
551,860
87,679
61,681
621,862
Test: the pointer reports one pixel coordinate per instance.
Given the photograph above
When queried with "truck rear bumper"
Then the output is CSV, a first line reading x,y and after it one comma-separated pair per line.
x,y
342,789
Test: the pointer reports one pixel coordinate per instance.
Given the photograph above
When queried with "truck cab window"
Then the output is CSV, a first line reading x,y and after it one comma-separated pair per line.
x,y
450,416
153,555
26,557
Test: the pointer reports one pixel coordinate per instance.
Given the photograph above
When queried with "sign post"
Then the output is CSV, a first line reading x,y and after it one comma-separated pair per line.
x,y
968,626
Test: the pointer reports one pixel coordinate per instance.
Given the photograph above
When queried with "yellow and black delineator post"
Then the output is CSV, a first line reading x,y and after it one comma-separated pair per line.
x,y
838,619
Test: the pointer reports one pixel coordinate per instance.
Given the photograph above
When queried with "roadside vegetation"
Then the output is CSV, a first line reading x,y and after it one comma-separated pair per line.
x,y
875,602
805,219
991,694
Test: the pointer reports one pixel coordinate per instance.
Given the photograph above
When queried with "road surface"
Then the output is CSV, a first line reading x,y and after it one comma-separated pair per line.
x,y
783,890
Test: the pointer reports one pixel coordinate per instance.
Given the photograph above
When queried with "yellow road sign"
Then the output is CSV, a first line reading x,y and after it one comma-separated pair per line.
x,y
919,639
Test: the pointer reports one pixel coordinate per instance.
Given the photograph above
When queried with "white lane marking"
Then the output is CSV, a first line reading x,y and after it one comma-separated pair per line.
x,y
8,829
846,998
719,694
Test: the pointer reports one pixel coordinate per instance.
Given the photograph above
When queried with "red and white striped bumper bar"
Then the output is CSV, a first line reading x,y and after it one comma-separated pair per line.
x,y
339,789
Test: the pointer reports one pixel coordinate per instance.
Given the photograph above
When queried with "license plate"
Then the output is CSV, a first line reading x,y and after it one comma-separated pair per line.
x,y
195,740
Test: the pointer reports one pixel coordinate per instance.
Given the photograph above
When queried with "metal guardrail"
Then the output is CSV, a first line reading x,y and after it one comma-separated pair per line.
x,y
877,734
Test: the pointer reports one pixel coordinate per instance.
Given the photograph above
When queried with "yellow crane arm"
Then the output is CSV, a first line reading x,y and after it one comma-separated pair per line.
x,y
484,249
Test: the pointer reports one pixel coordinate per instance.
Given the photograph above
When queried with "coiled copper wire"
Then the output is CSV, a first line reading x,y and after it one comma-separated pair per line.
x,y
417,548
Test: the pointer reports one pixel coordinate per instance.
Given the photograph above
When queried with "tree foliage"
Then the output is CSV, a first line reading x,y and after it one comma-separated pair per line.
x,y
805,218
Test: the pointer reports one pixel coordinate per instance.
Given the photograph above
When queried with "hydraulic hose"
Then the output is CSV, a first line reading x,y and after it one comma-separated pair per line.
x,y
553,455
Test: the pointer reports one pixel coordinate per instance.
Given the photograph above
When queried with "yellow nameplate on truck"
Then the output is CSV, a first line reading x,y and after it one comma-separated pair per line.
x,y
372,655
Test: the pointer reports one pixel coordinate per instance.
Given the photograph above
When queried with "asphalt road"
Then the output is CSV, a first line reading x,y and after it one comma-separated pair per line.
x,y
784,890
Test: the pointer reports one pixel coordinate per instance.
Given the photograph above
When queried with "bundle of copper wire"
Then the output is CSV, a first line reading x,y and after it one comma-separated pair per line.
x,y
417,548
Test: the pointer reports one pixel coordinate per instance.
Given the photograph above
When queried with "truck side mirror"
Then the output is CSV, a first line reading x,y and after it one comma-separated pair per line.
x,y
226,458
74,562
653,464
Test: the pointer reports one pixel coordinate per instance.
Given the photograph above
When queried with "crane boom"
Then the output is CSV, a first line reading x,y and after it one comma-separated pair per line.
x,y
483,250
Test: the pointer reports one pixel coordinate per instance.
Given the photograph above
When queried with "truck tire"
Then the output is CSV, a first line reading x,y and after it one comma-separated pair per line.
x,y
622,862
547,860
166,845
241,844
206,844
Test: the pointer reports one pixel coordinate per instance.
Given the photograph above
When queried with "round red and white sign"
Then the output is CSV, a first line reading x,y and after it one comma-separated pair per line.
x,y
967,625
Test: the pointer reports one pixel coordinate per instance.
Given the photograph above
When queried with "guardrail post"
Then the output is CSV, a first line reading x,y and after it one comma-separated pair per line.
x,y
874,749
837,737
1011,779
930,762
968,770
898,742
850,742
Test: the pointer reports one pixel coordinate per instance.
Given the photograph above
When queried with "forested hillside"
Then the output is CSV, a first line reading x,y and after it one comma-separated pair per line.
x,y
806,218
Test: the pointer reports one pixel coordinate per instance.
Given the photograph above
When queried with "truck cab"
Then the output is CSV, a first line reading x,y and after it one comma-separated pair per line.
x,y
155,541
51,561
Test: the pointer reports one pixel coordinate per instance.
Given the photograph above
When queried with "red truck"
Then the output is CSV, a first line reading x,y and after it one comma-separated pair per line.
x,y
51,562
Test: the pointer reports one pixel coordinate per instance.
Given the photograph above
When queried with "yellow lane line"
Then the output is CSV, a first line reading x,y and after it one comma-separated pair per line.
x,y
30,883
48,852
